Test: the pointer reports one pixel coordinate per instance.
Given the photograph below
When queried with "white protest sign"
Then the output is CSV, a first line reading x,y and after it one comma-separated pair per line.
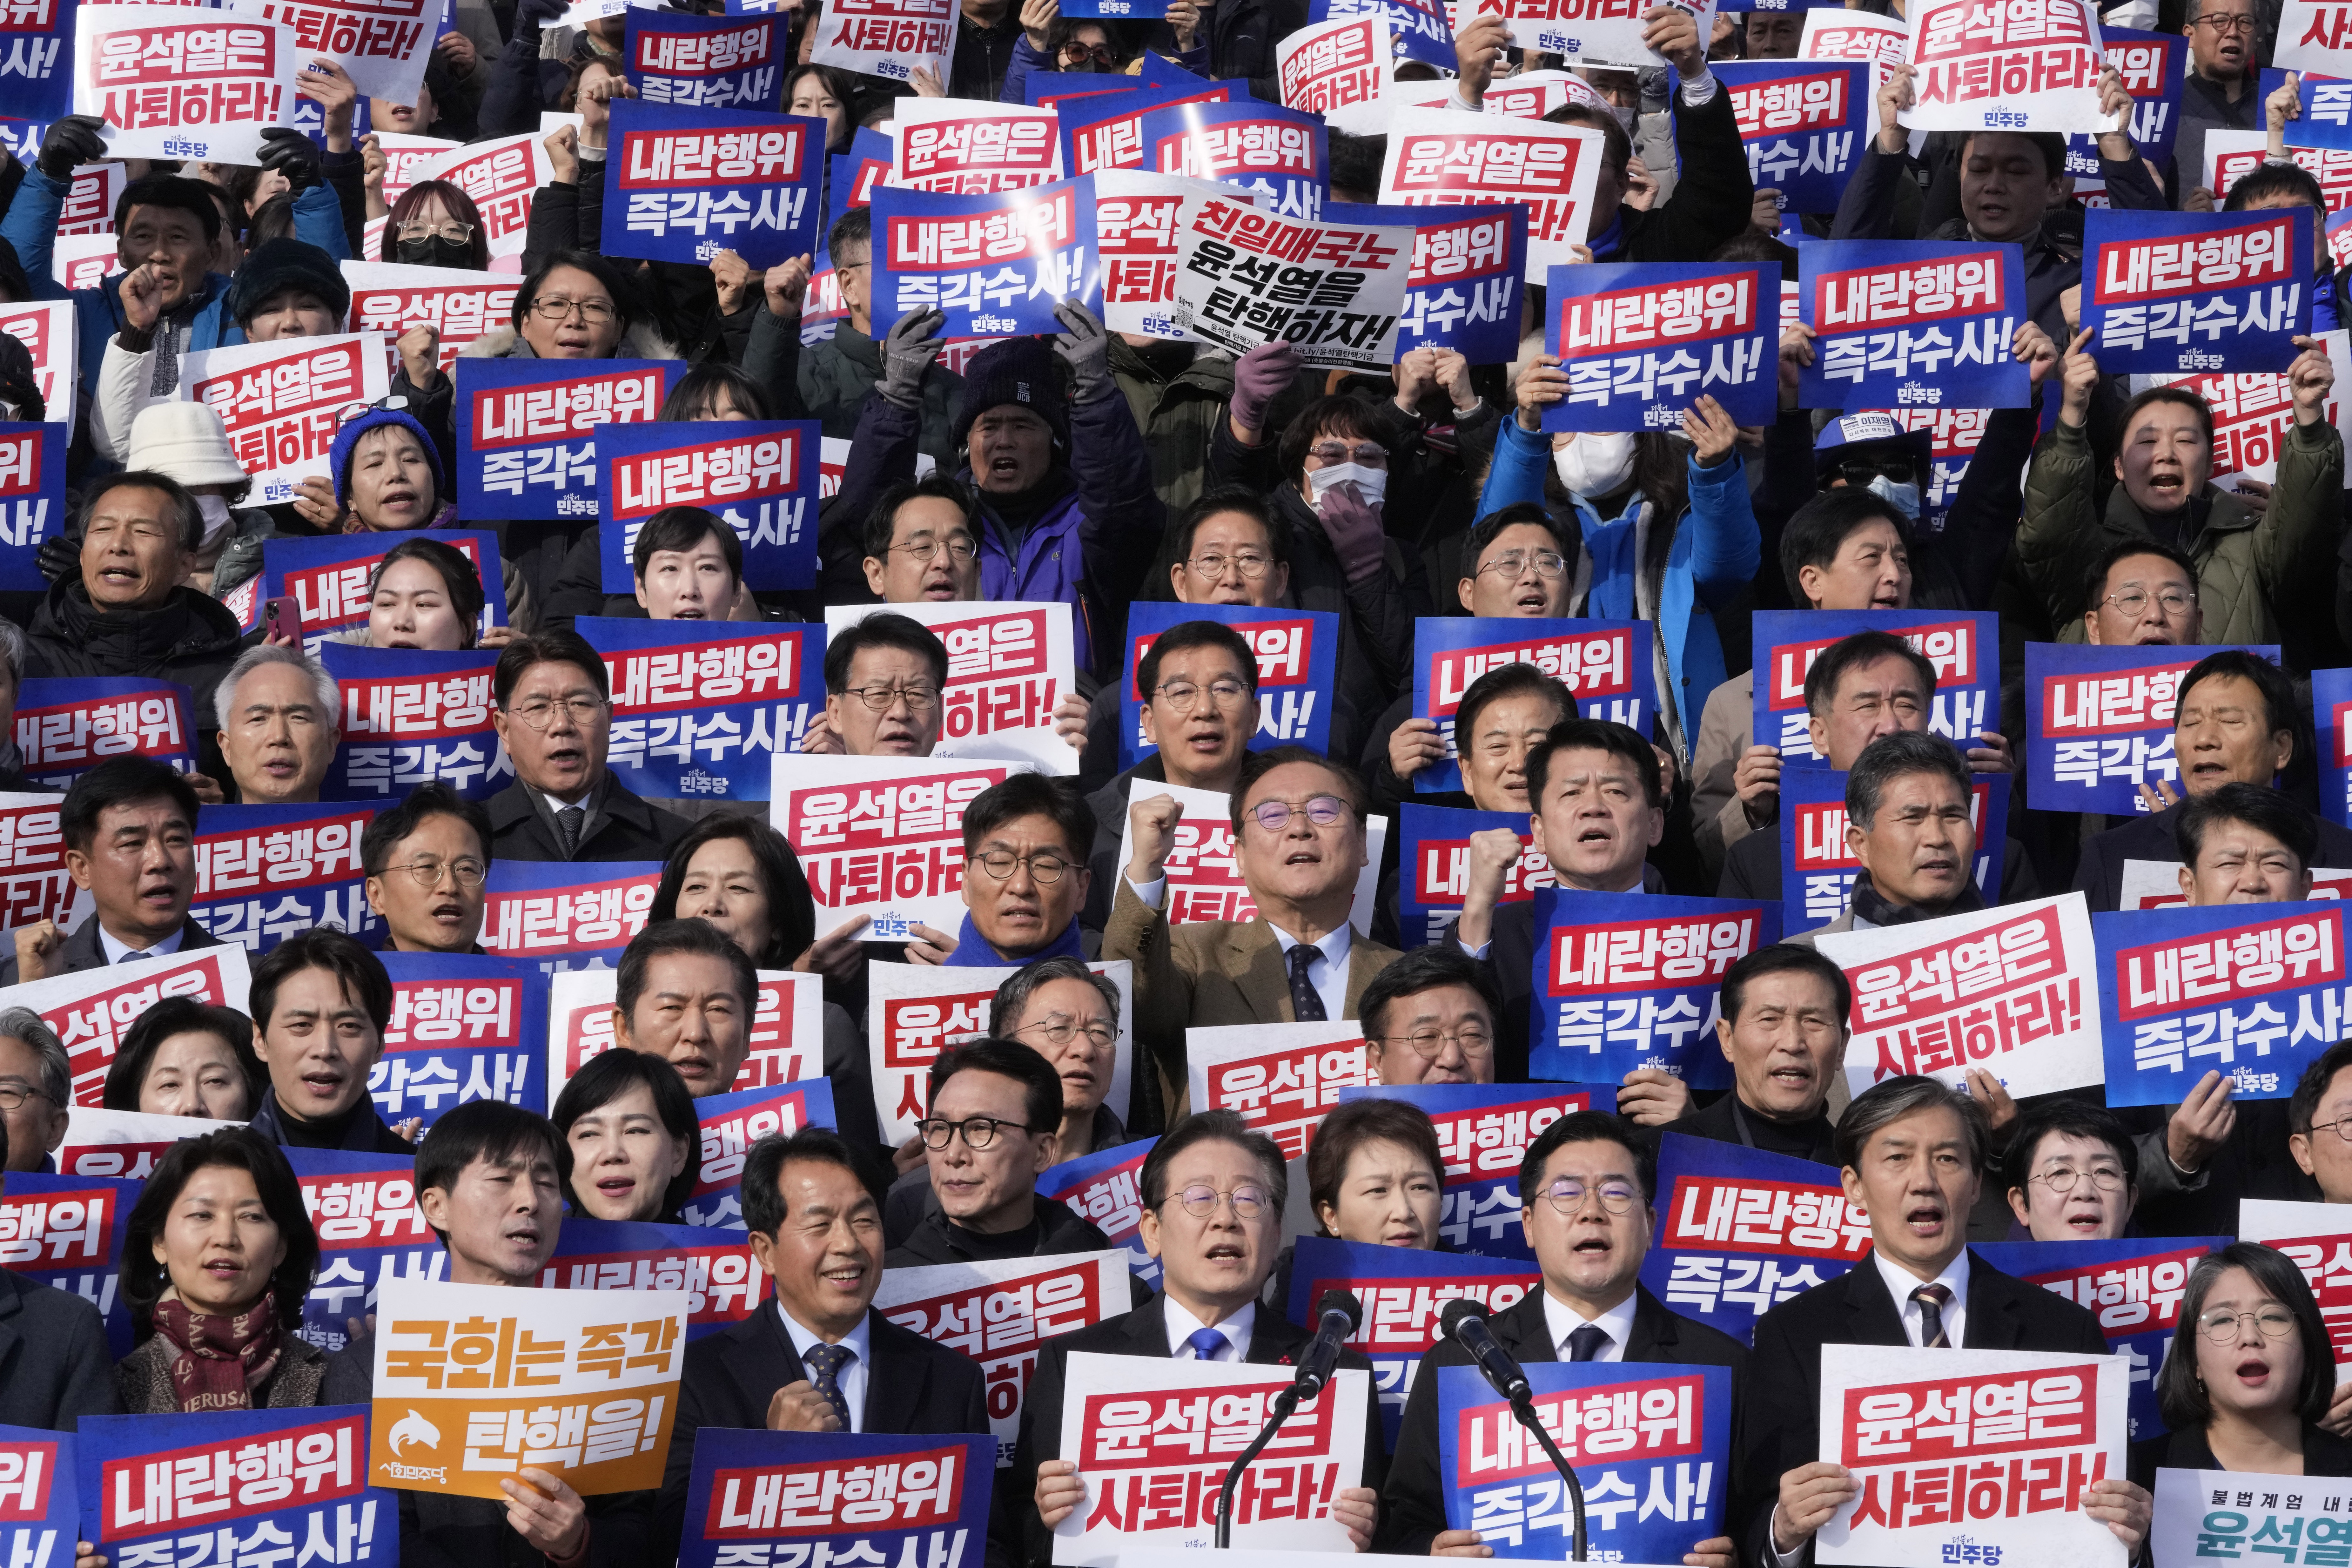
x,y
1009,663
2315,35
913,1010
172,82
1242,276
1839,35
2005,68
1531,95
1338,69
123,1144
887,37
1136,215
1152,1440
960,147
1281,1079
382,45
1916,1430
999,1312
1586,32
2013,989
2242,1516
48,329
2253,413
1439,157
406,158
2156,885
83,261
1205,882
89,207
283,402
92,1009
500,175
392,298
881,836
787,1043
2316,1238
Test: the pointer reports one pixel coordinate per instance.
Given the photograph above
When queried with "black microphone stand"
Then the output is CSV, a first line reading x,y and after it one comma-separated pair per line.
x,y
1524,1407
1284,1402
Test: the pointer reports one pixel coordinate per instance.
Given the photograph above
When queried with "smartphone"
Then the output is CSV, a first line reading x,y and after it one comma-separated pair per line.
x,y
281,617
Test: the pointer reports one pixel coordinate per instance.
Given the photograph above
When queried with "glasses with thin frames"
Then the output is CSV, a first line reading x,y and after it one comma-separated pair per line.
x,y
1062,1031
1200,1202
456,233
880,697
1180,695
1568,1196
922,550
2132,603
541,712
2221,1324
977,1132
428,872
14,1095
1369,454
2105,1178
1549,563
595,313
1322,810
1429,1044
1045,868
1212,567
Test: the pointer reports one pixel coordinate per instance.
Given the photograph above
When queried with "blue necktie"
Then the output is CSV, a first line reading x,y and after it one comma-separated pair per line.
x,y
824,1363
1305,1002
134,953
1207,1344
1587,1342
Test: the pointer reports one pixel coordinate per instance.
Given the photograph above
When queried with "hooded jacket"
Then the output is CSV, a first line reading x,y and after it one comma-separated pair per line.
x,y
189,639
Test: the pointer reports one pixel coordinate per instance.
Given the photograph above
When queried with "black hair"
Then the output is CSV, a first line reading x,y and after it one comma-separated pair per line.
x,y
121,780
885,629
178,192
2103,566
610,1074
1851,653
882,523
1516,680
1339,415
693,936
2303,1106
1495,523
764,1169
1898,756
2258,806
1783,958
2049,144
1224,499
181,1015
1818,530
2071,1119
273,219
1581,734
1256,765
683,528
359,973
2268,179
1585,1127
839,84
2180,1396
1891,1100
1033,794
692,396
489,1130
1194,634
2280,709
1616,147
144,1278
1425,969
854,226
625,305
1041,1085
183,504
518,656
1355,160
2173,392
460,579
1349,1128
791,913
1214,1127
388,829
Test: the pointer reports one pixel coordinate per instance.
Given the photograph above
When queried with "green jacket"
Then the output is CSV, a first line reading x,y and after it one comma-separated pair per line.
x,y
2249,567
1178,416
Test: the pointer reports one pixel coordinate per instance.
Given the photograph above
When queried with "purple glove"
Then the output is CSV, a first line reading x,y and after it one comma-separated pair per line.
x,y
1259,377
1354,529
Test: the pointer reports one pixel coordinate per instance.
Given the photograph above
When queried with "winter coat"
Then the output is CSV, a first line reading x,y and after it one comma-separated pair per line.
x,y
1177,415
189,639
837,373
144,1377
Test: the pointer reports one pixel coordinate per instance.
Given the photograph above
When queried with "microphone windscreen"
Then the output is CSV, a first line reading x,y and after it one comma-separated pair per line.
x,y
1450,1319
1342,1301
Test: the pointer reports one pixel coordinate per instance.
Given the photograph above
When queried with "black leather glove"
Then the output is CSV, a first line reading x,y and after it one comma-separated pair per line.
x,y
292,154
70,143
60,558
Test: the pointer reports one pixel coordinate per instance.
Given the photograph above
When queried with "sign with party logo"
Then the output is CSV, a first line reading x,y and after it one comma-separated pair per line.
x,y
1136,214
1010,664
1963,647
1463,293
1641,344
996,264
413,716
92,1009
1605,664
527,430
1741,1230
172,83
1588,32
295,1479
2099,723
1628,981
1438,157
331,580
1483,1130
706,62
382,45
1904,323
914,1011
1802,124
394,299
887,37
364,1209
2190,291
881,836
759,477
1982,69
808,1497
464,1027
1338,67
685,184
959,147
701,709
282,402
2151,65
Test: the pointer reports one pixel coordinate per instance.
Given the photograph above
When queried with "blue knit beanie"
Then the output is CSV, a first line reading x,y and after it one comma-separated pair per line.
x,y
339,456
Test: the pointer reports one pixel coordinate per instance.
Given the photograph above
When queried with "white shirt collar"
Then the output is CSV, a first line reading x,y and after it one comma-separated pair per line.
x,y
860,1339
1182,1325
1560,1319
114,950
1334,945
1901,1282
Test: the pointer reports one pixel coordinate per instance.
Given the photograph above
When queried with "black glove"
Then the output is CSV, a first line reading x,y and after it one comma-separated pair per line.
x,y
542,12
60,558
70,143
292,154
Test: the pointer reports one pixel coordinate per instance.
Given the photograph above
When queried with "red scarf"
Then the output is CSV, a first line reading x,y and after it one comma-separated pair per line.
x,y
217,1362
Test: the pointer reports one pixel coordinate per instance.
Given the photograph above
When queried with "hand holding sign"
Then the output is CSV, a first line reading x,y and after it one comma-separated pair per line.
x,y
1673,32
2123,1507
550,1516
1477,49
1895,99
2115,104
1543,384
1059,1491
1810,1495
2285,103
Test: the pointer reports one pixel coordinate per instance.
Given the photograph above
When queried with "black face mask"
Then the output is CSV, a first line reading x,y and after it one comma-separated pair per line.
x,y
433,251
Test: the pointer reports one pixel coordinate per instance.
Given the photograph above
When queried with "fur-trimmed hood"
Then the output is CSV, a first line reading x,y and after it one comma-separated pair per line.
x,y
642,341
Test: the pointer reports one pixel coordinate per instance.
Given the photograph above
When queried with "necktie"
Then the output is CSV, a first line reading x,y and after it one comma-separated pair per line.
x,y
133,954
1207,1344
1933,1299
824,1363
568,822
1587,1342
1305,1002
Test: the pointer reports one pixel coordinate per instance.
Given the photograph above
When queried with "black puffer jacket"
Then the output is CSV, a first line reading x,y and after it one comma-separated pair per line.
x,y
190,638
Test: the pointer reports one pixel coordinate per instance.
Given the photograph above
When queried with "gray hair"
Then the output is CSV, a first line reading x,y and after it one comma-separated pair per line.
x,y
262,655
57,1068
1892,1100
1890,757
12,651
1012,996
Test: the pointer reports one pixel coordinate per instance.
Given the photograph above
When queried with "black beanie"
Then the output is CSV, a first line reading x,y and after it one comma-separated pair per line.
x,y
278,264
1015,370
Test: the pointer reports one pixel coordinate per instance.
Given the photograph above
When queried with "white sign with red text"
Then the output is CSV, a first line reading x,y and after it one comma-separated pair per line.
x,y
914,1010
47,328
405,158
787,1028
2315,35
1339,69
965,148
2156,885
394,297
500,175
93,1009
124,1145
174,83
1586,32
2005,68
2232,156
881,836
1440,157
282,402
382,45
84,261
2253,411
1136,223
1009,663
887,37
1281,1079
2318,1238
1204,878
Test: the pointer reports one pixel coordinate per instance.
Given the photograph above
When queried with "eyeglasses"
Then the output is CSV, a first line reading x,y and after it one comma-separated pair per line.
x,y
1370,455
2132,603
2225,25
454,232
1101,54
1617,1197
1322,810
2221,1324
539,714
1511,563
14,1095
922,550
1212,567
595,313
1429,1044
1860,471
1046,868
1200,1202
2341,1129
880,697
1180,695
1062,1031
427,872
2105,1178
977,1132
351,411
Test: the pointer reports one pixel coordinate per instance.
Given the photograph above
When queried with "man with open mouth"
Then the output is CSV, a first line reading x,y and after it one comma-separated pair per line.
x,y
280,715
320,1005
1909,821
1785,1012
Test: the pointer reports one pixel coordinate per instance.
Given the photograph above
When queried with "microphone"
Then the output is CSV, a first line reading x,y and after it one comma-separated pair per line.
x,y
1464,1321
1337,1315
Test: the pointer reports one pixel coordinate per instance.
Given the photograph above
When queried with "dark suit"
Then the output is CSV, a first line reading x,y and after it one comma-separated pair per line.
x,y
1413,1508
1776,1420
1273,1341
1511,962
913,1386
83,951
2323,1453
55,1367
626,827
2099,875
1720,1122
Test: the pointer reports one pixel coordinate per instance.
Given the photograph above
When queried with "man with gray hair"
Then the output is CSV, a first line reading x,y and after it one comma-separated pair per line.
x,y
279,716
35,1090
1907,801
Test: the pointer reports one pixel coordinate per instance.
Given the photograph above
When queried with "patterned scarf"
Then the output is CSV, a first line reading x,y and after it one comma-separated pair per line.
x,y
217,1362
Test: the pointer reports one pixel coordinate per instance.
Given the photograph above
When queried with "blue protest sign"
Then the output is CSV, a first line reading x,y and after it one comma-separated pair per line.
x,y
166,1489
758,475
714,1265
706,62
1433,867
2326,111
1296,650
1817,866
1105,1188
1803,123
464,1026
2151,65
328,578
1122,10
265,872
702,709
414,716
40,1517
1482,1131
1963,646
32,491
1468,266
559,915
1102,126
2173,292
997,263
2133,1283
1649,1443
852,176
1629,979
2254,992
65,727
789,1497
1905,323
1280,155
731,1123
2331,701
1402,1290
2099,723
67,1231
685,184
36,71
1741,1230
1605,664
1421,28
1640,343
364,1207
527,429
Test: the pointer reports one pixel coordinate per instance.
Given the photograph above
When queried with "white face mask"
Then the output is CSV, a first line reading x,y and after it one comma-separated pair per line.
x,y
1592,464
215,511
1372,484
1905,496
